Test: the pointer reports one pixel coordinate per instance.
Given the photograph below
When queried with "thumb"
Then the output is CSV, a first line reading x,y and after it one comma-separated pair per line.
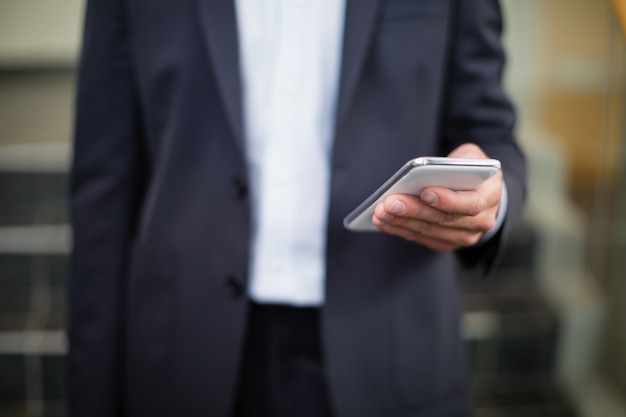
x,y
468,150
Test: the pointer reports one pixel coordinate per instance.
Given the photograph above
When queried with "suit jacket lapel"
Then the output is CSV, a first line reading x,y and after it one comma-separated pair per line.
x,y
219,26
218,23
358,29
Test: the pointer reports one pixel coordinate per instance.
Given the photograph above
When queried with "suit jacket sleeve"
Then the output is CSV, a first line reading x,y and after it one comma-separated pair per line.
x,y
106,180
477,110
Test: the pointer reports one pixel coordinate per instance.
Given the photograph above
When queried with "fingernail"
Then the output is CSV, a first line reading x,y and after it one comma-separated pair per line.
x,y
386,217
397,207
430,197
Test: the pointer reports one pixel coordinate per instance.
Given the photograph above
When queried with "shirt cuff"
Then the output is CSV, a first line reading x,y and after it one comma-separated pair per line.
x,y
504,202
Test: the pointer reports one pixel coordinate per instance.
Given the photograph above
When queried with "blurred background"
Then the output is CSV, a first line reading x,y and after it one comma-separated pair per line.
x,y
546,336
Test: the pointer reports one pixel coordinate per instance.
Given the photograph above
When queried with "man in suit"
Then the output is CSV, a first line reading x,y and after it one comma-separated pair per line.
x,y
219,145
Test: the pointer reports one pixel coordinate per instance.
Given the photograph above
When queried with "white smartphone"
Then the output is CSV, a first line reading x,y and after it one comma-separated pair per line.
x,y
458,174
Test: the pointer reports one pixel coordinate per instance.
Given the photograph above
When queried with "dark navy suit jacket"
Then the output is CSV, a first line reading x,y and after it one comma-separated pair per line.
x,y
161,216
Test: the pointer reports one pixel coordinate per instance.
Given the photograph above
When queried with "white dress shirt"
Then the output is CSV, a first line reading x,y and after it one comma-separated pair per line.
x,y
290,62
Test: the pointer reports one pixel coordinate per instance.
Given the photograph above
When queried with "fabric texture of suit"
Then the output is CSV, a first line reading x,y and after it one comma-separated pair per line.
x,y
161,218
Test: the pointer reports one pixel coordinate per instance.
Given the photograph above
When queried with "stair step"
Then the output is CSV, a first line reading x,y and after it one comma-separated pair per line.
x,y
33,342
33,197
53,239
35,157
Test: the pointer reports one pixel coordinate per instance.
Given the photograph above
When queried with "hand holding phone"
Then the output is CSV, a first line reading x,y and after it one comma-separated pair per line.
x,y
457,174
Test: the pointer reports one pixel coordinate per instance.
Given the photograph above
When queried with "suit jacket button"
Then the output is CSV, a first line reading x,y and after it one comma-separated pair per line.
x,y
236,284
241,187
